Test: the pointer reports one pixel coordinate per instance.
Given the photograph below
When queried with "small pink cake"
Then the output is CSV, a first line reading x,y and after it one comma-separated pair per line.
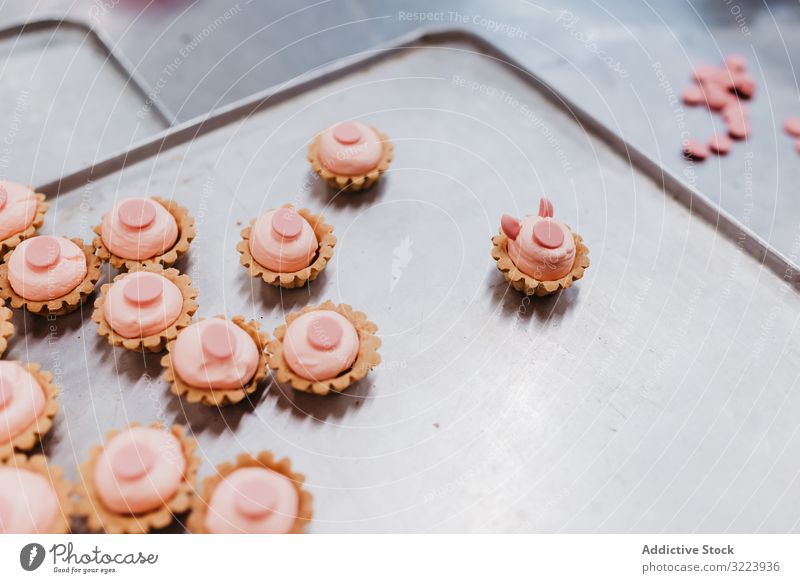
x,y
216,361
27,406
350,155
538,254
256,495
34,498
138,479
144,231
21,212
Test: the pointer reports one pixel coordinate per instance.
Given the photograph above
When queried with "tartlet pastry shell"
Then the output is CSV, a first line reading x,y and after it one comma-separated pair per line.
x,y
324,233
186,233
57,306
529,285
99,518
265,459
366,359
6,328
55,475
38,220
154,342
352,183
220,397
26,440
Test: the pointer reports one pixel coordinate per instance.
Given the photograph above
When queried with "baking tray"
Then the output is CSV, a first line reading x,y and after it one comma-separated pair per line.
x,y
68,101
655,395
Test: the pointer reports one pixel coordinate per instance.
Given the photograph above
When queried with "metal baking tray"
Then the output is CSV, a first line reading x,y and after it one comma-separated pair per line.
x,y
654,395
67,101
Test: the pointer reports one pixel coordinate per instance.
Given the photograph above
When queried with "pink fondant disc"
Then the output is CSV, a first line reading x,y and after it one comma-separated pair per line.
x,y
143,289
218,341
287,223
3,197
136,213
548,234
324,333
347,133
132,461
42,251
256,499
792,126
6,394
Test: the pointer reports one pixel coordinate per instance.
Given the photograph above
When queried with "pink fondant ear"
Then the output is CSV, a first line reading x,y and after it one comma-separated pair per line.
x,y
510,226
545,208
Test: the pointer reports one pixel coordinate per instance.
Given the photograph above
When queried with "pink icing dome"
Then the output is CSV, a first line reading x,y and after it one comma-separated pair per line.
x,y
139,228
139,470
142,304
215,354
17,208
28,503
44,268
283,241
540,247
22,400
253,500
350,149
320,345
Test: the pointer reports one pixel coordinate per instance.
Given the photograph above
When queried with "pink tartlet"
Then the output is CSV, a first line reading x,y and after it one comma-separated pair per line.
x,y
144,231
21,213
324,348
539,255
34,497
254,495
144,309
49,275
138,479
285,247
350,155
216,361
27,406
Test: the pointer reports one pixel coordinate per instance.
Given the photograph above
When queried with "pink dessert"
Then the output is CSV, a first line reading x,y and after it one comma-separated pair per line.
x,y
44,268
350,149
540,247
17,208
139,228
22,400
139,470
253,500
320,345
215,354
28,503
283,241
142,304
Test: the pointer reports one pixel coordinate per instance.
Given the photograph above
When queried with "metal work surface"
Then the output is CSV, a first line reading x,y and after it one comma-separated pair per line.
x,y
67,101
655,395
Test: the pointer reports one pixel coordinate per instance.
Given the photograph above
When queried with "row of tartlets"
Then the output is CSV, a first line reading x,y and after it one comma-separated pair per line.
x,y
141,477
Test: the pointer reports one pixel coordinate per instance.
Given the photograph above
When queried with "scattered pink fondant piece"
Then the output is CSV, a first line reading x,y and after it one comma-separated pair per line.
x,y
42,251
132,461
744,84
693,95
792,126
717,97
695,149
545,208
255,499
737,63
287,223
136,213
720,144
738,129
218,341
797,145
347,133
510,226
324,333
706,73
143,289
548,234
